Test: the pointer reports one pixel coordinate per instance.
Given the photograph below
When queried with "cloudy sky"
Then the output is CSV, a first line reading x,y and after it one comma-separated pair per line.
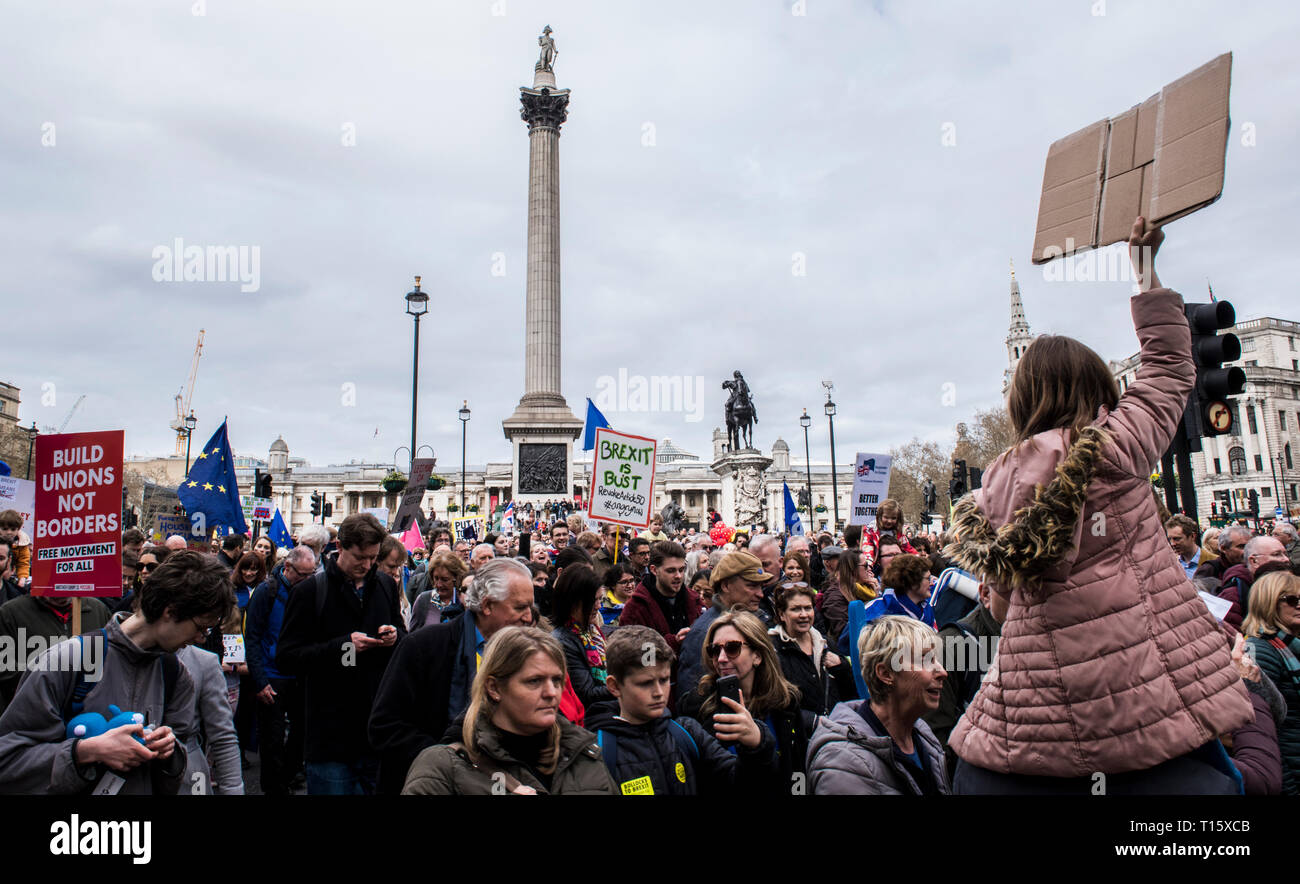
x,y
712,152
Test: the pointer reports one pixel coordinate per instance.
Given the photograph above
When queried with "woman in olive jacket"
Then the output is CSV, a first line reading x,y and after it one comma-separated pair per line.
x,y
514,739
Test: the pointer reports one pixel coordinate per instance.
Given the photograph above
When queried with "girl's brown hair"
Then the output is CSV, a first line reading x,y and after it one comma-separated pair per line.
x,y
1059,384
772,693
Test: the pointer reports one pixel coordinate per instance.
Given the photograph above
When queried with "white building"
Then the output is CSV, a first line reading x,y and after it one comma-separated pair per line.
x,y
1261,452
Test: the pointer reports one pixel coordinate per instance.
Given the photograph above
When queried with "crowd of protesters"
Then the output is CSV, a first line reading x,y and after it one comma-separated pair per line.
x,y
1021,651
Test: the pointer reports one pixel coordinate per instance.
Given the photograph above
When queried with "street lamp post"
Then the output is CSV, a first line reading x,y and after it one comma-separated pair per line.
x,y
190,423
463,414
835,485
417,304
805,421
32,433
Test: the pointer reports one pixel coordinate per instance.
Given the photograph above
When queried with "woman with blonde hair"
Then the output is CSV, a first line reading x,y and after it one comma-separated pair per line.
x,y
1272,630
737,644
513,738
1108,661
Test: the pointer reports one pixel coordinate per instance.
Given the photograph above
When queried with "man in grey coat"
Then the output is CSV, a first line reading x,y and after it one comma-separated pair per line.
x,y
130,663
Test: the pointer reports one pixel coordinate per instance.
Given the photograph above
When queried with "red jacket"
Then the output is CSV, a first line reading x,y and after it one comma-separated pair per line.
x,y
642,610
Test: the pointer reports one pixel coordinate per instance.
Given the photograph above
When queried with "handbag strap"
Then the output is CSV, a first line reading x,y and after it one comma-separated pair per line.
x,y
511,783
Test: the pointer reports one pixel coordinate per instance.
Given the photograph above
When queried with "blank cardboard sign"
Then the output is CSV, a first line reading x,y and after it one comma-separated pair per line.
x,y
1163,159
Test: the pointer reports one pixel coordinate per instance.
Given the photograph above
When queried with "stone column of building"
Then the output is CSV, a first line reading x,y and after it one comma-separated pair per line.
x,y
542,428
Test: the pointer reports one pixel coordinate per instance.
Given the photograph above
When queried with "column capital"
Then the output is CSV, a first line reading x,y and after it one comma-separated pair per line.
x,y
544,107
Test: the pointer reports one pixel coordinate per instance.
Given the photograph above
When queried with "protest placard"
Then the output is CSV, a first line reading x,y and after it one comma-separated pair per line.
x,y
870,486
622,478
167,524
471,529
232,649
19,495
257,509
413,496
78,534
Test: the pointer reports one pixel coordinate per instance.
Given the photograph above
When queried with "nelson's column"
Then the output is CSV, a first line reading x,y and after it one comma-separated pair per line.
x,y
542,428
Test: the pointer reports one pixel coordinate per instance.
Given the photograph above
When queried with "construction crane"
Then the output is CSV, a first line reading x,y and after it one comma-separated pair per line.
x,y
183,398
68,419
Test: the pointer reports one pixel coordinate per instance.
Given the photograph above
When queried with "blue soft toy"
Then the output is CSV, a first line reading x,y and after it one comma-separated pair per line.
x,y
92,724
86,725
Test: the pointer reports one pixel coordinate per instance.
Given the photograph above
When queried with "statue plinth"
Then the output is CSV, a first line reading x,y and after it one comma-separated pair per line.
x,y
743,486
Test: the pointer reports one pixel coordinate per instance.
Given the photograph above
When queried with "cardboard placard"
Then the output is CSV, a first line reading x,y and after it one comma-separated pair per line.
x,y
20,495
1161,159
77,543
413,496
471,529
622,478
870,486
257,509
232,649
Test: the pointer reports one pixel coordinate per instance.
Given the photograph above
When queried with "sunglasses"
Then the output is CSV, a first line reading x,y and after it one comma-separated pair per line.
x,y
1292,600
732,649
148,566
794,584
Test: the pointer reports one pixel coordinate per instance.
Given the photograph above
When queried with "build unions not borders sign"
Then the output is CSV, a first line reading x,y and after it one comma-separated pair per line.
x,y
78,515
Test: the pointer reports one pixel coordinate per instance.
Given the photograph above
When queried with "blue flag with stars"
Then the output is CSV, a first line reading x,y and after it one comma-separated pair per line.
x,y
279,533
211,487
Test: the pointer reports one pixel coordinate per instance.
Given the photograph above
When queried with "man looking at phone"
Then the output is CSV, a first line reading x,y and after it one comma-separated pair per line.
x,y
340,627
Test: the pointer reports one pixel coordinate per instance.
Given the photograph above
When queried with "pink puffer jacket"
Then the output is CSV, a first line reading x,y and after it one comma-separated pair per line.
x,y
1113,664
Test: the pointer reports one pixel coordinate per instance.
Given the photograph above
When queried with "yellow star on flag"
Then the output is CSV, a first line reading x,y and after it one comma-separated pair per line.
x,y
202,454
193,484
207,486
221,488
215,451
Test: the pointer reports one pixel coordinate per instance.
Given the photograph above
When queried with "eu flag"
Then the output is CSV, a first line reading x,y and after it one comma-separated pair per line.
x,y
279,533
211,488
793,526
595,420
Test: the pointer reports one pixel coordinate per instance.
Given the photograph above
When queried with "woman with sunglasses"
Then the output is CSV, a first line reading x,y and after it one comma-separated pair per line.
x,y
807,661
737,644
1272,630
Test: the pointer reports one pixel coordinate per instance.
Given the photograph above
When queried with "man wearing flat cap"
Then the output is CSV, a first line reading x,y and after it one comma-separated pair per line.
x,y
737,582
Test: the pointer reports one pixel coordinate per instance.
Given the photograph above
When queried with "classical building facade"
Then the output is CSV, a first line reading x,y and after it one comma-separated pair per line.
x,y
1261,452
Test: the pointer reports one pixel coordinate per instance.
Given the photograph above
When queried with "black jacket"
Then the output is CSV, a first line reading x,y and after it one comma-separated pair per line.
x,y
340,683
423,691
649,759
968,645
575,661
818,692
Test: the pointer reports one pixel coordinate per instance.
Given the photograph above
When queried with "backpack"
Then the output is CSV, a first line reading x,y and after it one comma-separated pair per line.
x,y
608,743
81,688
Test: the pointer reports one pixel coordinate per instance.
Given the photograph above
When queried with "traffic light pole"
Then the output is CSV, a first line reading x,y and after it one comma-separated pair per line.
x,y
1186,488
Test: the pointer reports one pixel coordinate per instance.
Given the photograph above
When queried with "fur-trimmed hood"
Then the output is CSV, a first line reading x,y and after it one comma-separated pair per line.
x,y
1023,526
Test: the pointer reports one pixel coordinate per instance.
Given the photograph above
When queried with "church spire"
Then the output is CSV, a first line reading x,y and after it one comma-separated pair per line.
x,y
1018,335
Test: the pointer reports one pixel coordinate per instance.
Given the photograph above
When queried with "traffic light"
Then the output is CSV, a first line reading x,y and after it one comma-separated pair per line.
x,y
316,499
329,508
1208,412
262,484
1254,503
976,477
957,485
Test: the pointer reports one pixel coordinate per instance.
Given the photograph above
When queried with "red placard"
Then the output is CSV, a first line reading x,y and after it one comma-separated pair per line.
x,y
78,541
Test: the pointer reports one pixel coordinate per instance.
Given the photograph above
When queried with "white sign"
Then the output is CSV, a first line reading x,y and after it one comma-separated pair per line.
x,y
379,512
20,495
257,509
471,529
421,470
622,478
870,487
233,649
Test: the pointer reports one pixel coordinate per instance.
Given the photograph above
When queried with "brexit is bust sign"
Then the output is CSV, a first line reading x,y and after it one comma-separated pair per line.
x,y
622,478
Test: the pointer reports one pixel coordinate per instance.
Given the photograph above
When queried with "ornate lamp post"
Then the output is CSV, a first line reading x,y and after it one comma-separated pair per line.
x,y
463,414
190,423
835,485
805,421
417,304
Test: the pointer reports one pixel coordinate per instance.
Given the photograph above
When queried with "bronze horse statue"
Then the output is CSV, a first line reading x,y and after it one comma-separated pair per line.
x,y
741,416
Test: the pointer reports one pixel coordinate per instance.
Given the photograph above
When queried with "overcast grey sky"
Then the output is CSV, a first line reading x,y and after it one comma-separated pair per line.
x,y
707,144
